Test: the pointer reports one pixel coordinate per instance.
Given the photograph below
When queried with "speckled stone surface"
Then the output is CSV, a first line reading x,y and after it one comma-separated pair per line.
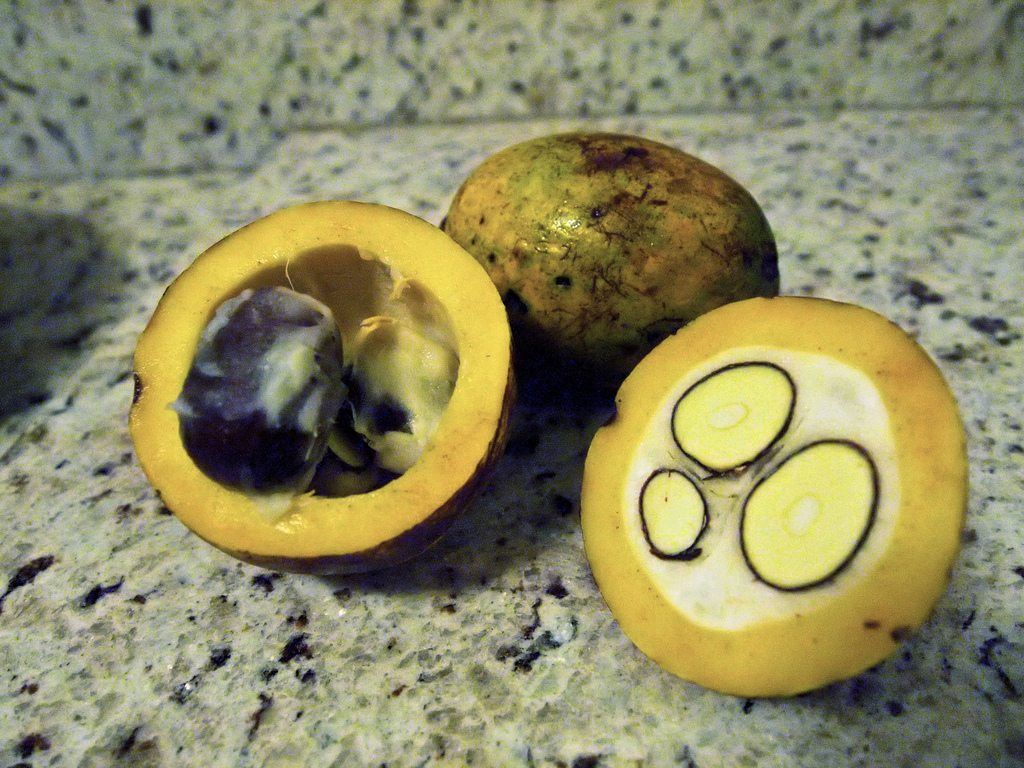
x,y
126,640
108,88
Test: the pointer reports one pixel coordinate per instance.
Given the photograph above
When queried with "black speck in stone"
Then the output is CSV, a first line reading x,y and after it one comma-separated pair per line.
x,y
305,676
587,761
525,662
986,648
968,621
219,656
880,31
211,125
954,355
296,648
894,708
995,328
265,581
26,574
32,743
921,294
144,20
563,281
626,19
98,592
56,132
182,691
747,706
104,470
1019,570
777,45
266,702
128,744
864,274
557,589
268,673
29,143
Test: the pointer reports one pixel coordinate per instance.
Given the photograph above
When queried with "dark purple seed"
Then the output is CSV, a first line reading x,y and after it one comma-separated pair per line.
x,y
231,427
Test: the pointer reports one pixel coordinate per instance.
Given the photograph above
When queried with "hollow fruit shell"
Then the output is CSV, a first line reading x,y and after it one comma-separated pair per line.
x,y
321,534
866,620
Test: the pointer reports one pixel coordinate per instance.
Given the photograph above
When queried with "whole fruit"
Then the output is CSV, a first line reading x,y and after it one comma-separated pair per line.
x,y
602,244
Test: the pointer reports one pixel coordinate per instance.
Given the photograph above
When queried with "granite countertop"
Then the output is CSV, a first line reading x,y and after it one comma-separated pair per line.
x,y
125,639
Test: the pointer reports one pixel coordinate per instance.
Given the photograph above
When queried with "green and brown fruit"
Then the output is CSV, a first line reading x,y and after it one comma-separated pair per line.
x,y
602,244
324,389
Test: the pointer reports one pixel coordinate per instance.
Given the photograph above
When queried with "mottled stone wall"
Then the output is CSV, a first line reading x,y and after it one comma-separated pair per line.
x,y
98,88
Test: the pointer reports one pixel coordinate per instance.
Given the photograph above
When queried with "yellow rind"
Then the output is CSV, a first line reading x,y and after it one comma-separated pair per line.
x,y
866,621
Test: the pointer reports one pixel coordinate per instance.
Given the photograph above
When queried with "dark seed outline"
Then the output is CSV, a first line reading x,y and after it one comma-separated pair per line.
x,y
692,552
872,514
782,430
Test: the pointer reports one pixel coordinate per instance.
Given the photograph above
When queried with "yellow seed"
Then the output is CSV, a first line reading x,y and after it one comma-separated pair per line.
x,y
730,417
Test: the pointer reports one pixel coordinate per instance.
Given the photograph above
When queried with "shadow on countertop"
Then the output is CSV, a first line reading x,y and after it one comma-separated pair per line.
x,y
59,285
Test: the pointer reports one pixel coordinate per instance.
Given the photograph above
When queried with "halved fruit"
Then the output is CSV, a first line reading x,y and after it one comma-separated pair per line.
x,y
266,455
779,500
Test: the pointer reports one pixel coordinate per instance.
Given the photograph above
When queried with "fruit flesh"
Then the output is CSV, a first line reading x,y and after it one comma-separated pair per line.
x,y
831,400
763,609
262,421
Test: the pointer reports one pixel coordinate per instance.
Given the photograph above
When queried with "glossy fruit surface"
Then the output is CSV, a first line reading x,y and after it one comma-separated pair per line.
x,y
603,244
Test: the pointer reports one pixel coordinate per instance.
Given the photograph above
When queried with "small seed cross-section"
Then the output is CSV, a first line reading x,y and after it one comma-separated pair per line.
x,y
673,515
